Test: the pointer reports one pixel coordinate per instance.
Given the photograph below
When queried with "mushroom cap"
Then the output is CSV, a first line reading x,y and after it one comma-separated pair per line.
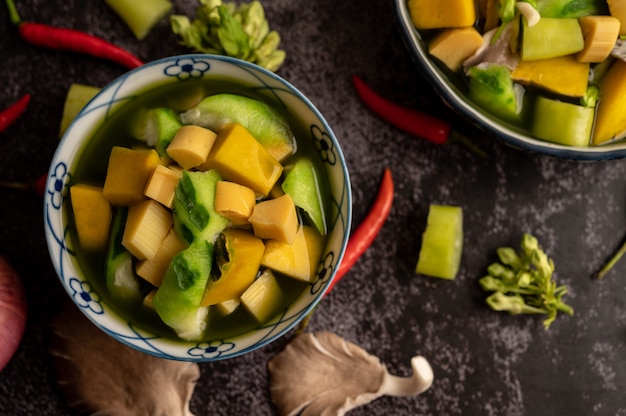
x,y
323,374
99,375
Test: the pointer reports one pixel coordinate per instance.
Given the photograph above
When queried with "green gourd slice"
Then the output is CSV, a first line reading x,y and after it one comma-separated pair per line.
x,y
573,122
442,242
262,121
303,185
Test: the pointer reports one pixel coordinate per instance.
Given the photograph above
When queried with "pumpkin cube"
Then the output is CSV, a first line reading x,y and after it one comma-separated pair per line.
x,y
453,46
234,202
275,219
92,216
439,14
127,174
240,158
298,260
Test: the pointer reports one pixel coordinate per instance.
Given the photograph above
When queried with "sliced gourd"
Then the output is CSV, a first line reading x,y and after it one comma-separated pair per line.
x,y
238,256
265,124
177,300
121,282
156,127
549,38
574,122
264,297
194,205
140,16
92,216
78,95
128,172
302,182
442,242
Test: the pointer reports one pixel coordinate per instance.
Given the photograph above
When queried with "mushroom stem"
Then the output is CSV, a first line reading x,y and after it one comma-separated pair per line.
x,y
409,386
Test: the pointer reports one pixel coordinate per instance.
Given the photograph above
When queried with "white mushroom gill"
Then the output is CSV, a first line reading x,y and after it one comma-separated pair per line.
x,y
98,375
323,374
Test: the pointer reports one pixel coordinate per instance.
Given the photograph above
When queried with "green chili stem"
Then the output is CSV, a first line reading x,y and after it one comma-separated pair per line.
x,y
612,261
13,14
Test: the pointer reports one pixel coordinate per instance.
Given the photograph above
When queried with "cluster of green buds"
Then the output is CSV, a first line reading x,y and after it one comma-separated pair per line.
x,y
227,29
523,283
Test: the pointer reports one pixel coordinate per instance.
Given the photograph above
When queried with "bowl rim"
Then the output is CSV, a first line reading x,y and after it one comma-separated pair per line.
x,y
344,208
461,105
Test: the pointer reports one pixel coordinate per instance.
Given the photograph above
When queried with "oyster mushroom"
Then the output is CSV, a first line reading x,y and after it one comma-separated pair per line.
x,y
99,375
323,374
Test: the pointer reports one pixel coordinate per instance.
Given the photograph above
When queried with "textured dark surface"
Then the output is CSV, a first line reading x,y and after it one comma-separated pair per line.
x,y
485,363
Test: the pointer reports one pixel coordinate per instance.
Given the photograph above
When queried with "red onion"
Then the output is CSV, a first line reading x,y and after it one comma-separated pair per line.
x,y
13,311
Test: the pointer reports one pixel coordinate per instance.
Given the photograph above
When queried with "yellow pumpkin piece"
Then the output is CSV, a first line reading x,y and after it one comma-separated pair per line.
x,y
234,202
298,260
153,269
275,219
453,46
127,174
439,14
191,146
162,185
244,259
240,158
617,8
562,75
492,19
147,224
92,216
611,117
600,34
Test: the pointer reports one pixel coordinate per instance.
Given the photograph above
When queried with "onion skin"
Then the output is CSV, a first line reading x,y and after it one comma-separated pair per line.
x,y
13,311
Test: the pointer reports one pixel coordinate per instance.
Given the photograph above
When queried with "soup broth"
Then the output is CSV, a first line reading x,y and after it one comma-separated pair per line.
x,y
91,168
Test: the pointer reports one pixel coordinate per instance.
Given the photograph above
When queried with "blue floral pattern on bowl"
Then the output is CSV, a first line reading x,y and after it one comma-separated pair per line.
x,y
82,289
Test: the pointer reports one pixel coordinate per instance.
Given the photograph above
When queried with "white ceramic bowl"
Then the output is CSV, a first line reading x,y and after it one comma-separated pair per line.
x,y
455,98
180,69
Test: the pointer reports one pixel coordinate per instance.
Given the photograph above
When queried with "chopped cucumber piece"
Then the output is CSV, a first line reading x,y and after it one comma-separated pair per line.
x,y
194,206
177,300
492,88
264,123
574,122
550,38
78,95
121,281
140,15
264,297
303,184
442,242
157,127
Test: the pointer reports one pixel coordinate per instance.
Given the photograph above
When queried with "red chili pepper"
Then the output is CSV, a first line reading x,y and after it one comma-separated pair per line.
x,y
410,120
71,40
406,119
10,114
367,231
